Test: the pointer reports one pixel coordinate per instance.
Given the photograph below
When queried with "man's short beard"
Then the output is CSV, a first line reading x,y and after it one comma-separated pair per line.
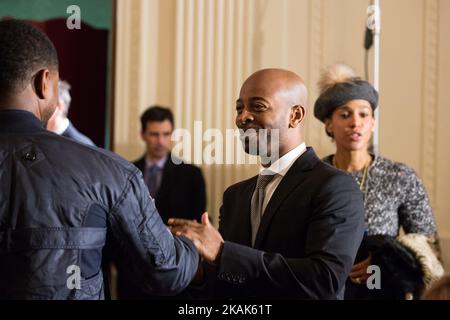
x,y
263,143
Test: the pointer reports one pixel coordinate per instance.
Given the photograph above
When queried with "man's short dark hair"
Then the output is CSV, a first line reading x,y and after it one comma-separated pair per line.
x,y
156,114
24,49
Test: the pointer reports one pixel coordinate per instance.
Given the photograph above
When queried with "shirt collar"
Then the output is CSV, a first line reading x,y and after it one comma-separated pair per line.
x,y
160,163
282,165
19,121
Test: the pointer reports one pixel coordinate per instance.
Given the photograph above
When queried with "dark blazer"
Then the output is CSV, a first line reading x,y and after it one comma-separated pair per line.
x,y
307,240
182,192
72,133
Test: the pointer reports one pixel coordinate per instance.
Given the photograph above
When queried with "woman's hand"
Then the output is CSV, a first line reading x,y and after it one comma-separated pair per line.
x,y
359,274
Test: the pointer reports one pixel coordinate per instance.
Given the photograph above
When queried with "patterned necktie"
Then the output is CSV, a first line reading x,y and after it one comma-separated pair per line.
x,y
258,201
152,180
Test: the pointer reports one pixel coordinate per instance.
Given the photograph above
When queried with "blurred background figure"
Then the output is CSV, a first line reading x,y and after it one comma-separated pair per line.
x,y
177,188
394,196
59,123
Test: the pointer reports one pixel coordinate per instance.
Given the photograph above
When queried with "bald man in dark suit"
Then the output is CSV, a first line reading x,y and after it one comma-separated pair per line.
x,y
292,231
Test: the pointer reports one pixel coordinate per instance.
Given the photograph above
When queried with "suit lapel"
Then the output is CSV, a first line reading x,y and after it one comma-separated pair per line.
x,y
294,176
140,164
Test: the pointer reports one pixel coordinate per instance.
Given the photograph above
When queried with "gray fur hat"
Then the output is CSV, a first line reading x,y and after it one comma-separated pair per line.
x,y
339,85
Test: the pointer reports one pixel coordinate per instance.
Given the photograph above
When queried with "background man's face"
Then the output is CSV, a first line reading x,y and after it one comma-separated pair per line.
x,y
157,137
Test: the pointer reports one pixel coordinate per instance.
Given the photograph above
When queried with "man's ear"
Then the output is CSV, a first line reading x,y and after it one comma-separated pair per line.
x,y
42,83
297,116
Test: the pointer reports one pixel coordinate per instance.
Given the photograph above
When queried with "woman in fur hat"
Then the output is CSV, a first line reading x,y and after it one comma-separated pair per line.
x,y
394,196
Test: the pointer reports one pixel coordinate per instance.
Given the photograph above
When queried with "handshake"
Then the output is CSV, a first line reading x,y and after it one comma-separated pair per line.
x,y
205,237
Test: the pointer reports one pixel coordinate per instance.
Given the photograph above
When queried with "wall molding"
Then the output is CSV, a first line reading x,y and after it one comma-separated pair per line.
x,y
213,54
127,93
314,132
430,98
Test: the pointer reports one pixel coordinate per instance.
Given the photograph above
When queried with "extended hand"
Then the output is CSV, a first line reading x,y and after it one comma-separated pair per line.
x,y
205,237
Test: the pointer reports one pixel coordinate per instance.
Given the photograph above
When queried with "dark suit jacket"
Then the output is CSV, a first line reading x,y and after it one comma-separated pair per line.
x,y
307,240
72,133
182,192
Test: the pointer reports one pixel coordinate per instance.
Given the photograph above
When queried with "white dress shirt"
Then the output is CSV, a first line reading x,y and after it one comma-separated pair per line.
x,y
280,167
